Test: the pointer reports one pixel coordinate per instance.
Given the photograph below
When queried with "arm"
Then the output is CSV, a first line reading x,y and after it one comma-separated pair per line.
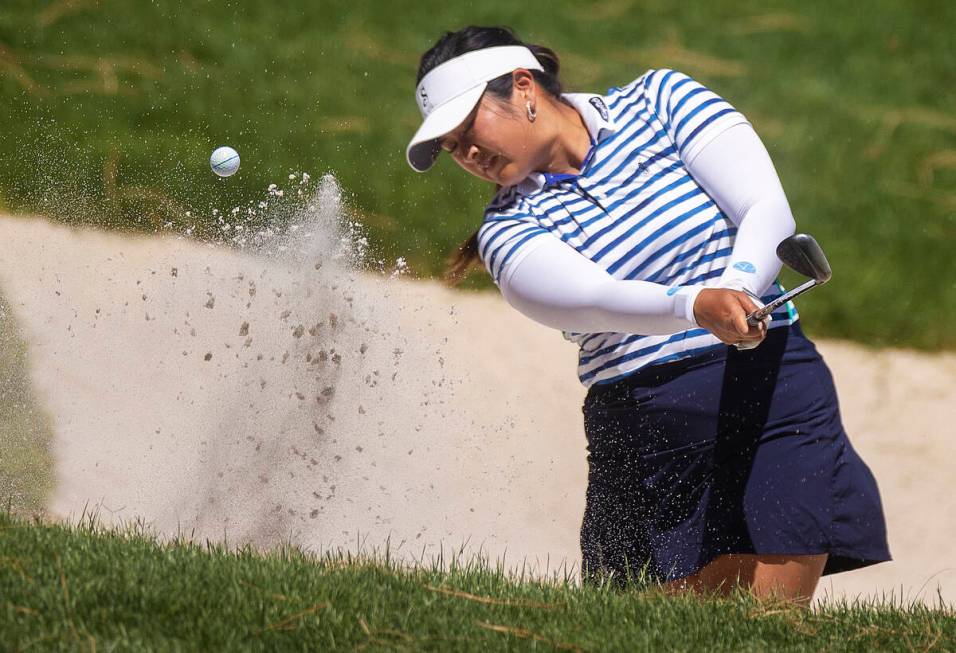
x,y
556,286
735,170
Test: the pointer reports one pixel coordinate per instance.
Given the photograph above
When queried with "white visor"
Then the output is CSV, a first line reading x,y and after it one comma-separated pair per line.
x,y
449,92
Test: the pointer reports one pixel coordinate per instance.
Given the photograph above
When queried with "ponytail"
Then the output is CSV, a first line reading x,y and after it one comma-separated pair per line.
x,y
462,260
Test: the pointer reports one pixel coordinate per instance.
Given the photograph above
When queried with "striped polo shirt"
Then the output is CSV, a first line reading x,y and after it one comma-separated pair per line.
x,y
633,209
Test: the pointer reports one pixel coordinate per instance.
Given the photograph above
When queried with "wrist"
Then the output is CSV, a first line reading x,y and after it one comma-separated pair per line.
x,y
684,299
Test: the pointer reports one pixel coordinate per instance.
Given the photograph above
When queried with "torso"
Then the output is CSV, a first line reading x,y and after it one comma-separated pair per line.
x,y
636,211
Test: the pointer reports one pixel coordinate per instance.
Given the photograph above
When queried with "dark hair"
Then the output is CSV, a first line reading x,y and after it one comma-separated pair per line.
x,y
453,44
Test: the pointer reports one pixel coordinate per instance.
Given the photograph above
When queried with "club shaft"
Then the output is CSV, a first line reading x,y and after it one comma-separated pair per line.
x,y
761,313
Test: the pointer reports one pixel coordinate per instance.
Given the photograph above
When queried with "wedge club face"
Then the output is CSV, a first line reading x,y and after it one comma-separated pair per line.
x,y
802,253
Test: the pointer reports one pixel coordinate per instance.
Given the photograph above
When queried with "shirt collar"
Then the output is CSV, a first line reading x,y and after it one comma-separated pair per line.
x,y
594,112
597,119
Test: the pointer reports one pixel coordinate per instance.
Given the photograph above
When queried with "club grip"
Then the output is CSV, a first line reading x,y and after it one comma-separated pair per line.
x,y
754,318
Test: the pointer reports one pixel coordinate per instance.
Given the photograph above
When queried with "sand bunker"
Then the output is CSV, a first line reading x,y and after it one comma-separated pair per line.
x,y
228,395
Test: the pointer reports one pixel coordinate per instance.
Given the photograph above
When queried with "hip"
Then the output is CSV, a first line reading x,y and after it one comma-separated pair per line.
x,y
782,388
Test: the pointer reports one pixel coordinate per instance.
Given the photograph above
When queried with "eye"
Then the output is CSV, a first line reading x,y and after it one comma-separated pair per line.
x,y
448,145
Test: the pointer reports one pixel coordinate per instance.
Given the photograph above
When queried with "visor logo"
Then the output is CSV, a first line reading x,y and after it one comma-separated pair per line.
x,y
423,98
598,104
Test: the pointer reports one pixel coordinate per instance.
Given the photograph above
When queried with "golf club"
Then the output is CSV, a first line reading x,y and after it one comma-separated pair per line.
x,y
803,254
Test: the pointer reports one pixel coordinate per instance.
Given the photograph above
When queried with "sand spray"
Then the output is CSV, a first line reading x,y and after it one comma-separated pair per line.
x,y
287,389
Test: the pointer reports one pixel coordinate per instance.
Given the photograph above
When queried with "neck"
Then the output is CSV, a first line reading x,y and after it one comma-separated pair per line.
x,y
570,140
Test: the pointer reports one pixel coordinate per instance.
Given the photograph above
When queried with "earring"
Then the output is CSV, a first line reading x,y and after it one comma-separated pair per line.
x,y
532,114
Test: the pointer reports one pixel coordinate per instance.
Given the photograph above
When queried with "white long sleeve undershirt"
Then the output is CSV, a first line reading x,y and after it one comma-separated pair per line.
x,y
555,285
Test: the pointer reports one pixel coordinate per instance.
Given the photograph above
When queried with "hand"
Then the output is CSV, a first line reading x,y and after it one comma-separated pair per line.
x,y
724,313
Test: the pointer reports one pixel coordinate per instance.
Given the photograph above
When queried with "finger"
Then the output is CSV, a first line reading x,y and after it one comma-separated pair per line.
x,y
764,325
746,302
749,307
758,330
731,337
725,336
735,329
740,323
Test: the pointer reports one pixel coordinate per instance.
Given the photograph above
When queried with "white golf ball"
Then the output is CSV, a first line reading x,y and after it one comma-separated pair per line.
x,y
224,161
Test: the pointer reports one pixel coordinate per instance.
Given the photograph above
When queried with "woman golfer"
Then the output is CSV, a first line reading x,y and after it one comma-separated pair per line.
x,y
643,224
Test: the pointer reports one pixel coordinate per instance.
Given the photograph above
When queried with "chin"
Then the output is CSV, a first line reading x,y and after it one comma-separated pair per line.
x,y
509,176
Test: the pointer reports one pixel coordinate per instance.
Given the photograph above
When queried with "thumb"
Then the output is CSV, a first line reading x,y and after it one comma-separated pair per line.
x,y
740,319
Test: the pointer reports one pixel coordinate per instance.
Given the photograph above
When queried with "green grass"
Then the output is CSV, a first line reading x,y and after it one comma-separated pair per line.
x,y
85,588
26,463
109,115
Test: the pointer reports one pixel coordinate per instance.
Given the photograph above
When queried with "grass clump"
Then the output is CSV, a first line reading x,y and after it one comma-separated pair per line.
x,y
84,587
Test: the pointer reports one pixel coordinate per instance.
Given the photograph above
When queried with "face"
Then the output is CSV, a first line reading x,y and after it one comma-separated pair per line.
x,y
495,142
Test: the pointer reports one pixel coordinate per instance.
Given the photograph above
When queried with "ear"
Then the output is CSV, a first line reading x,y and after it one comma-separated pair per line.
x,y
524,85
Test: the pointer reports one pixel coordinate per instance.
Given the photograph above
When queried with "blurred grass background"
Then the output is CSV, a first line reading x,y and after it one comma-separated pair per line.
x,y
109,110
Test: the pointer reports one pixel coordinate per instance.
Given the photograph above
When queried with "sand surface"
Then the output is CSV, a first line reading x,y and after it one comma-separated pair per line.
x,y
259,399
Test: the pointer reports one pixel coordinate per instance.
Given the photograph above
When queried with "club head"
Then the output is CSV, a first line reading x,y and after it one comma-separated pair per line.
x,y
802,253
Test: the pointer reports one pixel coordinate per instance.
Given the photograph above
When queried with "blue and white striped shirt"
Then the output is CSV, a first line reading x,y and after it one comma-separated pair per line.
x,y
633,209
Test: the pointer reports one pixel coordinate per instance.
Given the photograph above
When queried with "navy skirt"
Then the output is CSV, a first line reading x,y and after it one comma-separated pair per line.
x,y
726,452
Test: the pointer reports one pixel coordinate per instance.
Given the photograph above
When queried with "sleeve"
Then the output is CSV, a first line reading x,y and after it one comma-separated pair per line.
x,y
505,238
555,285
736,171
692,114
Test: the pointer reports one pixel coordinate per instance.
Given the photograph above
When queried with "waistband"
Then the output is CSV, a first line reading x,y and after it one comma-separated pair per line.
x,y
768,352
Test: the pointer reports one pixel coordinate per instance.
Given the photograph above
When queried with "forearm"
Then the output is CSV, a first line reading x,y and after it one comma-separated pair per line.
x,y
754,265
556,286
736,171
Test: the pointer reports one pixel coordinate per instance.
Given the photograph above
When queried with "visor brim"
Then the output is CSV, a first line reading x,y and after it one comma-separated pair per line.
x,y
424,148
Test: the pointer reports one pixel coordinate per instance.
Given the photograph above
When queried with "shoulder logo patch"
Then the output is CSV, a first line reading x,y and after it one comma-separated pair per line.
x,y
745,266
598,104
